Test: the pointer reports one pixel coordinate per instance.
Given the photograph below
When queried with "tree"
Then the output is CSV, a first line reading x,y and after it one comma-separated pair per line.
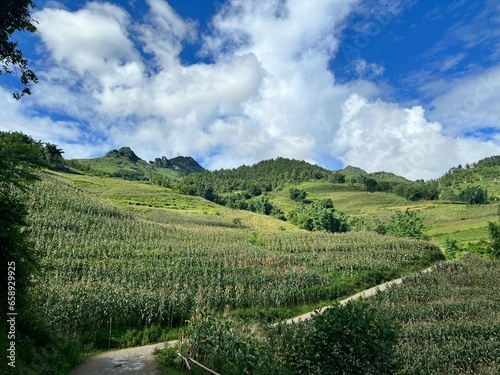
x,y
352,339
53,155
338,178
494,229
406,224
261,205
371,185
474,195
320,216
15,16
19,156
297,195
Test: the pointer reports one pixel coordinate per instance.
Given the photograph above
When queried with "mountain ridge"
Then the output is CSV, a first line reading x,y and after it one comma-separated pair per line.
x,y
124,163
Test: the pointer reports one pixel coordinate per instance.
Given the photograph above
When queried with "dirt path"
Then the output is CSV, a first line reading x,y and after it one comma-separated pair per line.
x,y
140,360
133,361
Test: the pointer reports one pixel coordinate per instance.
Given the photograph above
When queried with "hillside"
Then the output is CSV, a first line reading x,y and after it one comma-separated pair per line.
x,y
124,163
143,263
484,173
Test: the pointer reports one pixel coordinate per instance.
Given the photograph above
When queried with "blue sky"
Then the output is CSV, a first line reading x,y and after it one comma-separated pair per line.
x,y
411,87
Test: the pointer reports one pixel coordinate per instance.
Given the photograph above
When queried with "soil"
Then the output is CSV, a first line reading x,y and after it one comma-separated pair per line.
x,y
131,361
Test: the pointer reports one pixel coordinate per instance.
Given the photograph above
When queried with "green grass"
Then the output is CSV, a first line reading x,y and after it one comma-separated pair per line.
x,y
147,256
162,204
442,220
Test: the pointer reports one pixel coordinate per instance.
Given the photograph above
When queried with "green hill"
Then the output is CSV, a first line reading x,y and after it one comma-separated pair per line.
x,y
123,263
124,163
355,172
388,177
484,173
150,261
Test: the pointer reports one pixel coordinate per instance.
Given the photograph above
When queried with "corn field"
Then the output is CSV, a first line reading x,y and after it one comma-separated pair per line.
x,y
101,264
450,318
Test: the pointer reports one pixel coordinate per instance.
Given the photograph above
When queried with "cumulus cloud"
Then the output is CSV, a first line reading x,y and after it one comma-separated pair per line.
x,y
268,93
66,133
92,40
385,136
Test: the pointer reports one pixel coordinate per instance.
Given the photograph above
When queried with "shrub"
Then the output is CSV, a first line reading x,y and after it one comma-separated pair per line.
x,y
406,224
351,339
297,195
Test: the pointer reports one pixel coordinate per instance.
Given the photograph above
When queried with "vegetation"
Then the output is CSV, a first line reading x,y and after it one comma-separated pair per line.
x,y
439,322
487,249
124,262
297,195
15,16
124,163
350,339
449,318
105,267
320,216
36,348
20,156
405,224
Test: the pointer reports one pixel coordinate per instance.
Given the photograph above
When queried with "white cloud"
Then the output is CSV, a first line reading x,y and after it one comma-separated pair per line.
x,y
367,70
385,136
65,133
92,40
276,84
451,62
163,33
468,103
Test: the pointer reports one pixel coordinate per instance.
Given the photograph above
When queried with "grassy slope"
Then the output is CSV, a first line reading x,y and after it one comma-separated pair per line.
x,y
442,220
151,201
162,206
111,166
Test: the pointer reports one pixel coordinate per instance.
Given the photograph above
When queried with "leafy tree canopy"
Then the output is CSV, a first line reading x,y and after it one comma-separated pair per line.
x,y
297,195
320,216
406,224
19,156
15,16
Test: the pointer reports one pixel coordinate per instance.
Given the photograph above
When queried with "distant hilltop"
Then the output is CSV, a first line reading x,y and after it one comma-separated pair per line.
x,y
178,163
125,163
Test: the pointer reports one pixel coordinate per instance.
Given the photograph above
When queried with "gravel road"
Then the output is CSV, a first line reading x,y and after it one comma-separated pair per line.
x,y
131,361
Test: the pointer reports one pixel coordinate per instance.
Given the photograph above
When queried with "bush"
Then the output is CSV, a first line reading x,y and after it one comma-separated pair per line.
x,y
320,216
406,224
350,339
223,346
473,195
297,195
